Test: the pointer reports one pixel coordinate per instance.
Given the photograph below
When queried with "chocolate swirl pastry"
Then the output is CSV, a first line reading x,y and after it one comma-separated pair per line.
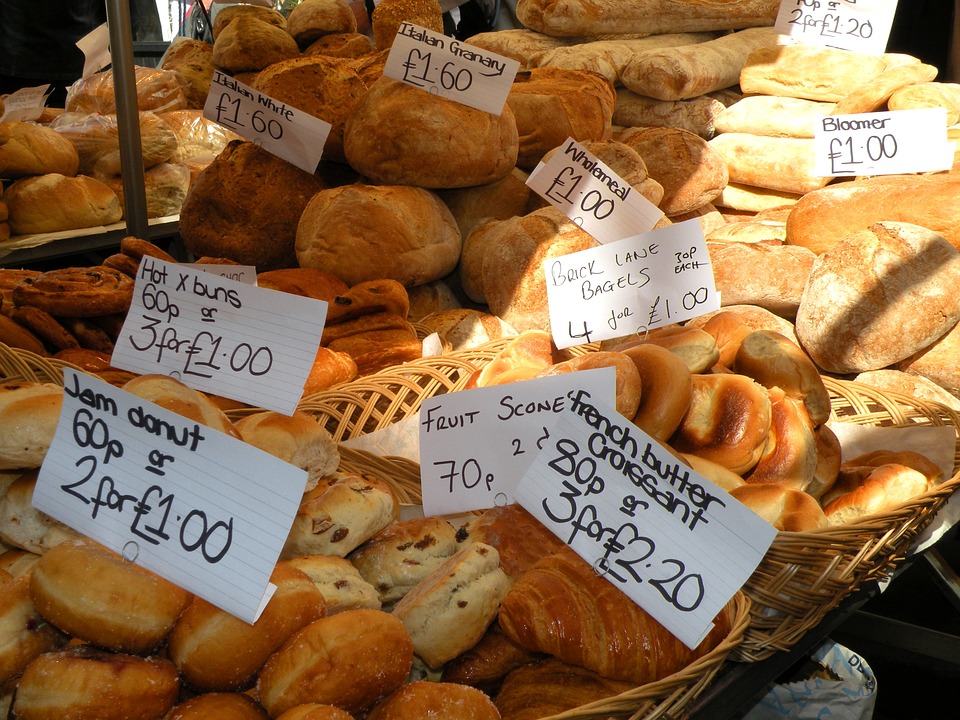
x,y
77,292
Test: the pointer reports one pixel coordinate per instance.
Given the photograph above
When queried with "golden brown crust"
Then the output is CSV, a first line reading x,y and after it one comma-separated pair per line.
x,y
46,327
177,397
785,508
666,386
26,634
137,248
77,291
330,368
15,335
425,698
308,282
369,296
486,664
218,706
123,263
27,148
390,14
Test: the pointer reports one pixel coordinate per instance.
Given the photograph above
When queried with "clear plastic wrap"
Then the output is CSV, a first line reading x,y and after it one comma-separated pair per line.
x,y
157,90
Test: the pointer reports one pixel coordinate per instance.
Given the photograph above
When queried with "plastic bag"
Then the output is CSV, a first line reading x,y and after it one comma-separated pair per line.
x,y
852,697
157,89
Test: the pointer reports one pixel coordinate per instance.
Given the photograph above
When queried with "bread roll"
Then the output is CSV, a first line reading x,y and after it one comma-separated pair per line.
x,y
22,525
728,421
96,595
85,683
787,509
228,214
32,149
369,232
25,633
774,361
339,581
856,315
449,610
423,699
324,87
312,19
55,202
822,218
337,519
395,126
553,104
29,412
571,18
218,706
563,608
298,439
216,651
666,386
398,557
350,660
883,488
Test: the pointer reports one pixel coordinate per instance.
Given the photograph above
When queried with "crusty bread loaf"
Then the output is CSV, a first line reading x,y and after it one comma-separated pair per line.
x,y
191,61
752,200
821,218
31,149
55,202
388,15
312,19
855,314
501,199
249,44
770,275
571,18
520,44
624,158
874,93
341,45
773,115
694,69
696,115
394,127
928,95
784,164
553,104
227,214
227,15
915,380
373,232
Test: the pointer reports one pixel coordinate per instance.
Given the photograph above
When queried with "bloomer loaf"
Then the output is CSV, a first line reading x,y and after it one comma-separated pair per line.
x,y
77,292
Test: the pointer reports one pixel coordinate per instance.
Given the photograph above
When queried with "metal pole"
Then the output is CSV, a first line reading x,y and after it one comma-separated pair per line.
x,y
128,117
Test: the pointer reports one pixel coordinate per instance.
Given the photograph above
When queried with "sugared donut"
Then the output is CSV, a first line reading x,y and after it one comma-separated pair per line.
x,y
315,711
23,633
84,683
94,594
218,706
424,700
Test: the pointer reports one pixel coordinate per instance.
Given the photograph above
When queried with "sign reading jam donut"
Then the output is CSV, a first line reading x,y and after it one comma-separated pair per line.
x,y
670,539
578,184
630,286
451,69
179,498
459,474
219,335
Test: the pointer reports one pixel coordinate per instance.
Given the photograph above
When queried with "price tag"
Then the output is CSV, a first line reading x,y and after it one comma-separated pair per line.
x,y
95,46
246,274
451,69
882,143
219,335
588,192
630,286
183,500
859,25
459,474
671,540
288,133
25,104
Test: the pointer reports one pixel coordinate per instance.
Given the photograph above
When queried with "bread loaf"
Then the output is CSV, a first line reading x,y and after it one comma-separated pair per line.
x,y
570,18
767,274
32,149
857,315
696,115
55,202
928,95
784,164
773,115
249,44
191,61
312,19
388,15
227,15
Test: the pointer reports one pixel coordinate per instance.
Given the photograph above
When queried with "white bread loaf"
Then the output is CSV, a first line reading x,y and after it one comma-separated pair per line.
x,y
54,202
32,149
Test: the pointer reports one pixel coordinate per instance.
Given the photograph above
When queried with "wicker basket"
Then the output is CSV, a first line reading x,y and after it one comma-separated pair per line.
x,y
805,575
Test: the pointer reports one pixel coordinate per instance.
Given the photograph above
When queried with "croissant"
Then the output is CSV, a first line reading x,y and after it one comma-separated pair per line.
x,y
561,607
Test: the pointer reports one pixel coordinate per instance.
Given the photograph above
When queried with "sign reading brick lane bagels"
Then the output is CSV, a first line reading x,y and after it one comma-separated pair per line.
x,y
180,499
675,543
451,69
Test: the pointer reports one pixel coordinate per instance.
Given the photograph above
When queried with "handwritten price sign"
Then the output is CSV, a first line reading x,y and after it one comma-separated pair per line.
x,y
631,285
451,69
288,133
459,474
584,189
219,335
882,143
675,543
859,25
179,498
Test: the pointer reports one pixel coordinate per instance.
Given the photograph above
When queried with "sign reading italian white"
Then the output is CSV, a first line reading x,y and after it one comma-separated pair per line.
x,y
181,499
882,143
671,540
630,286
588,192
288,133
458,473
219,335
451,69
858,25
